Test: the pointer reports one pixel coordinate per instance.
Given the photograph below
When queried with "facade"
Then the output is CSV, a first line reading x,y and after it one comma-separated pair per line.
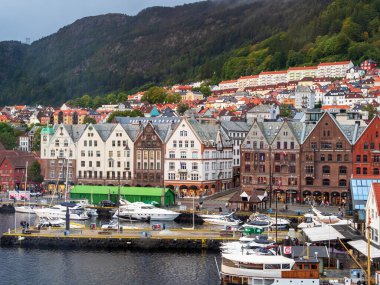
x,y
149,155
237,132
373,213
228,84
13,165
24,143
304,98
366,152
298,73
326,157
263,112
70,116
272,77
334,69
198,159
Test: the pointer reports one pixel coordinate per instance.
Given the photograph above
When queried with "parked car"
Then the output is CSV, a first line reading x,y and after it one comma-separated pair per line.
x,y
35,194
107,203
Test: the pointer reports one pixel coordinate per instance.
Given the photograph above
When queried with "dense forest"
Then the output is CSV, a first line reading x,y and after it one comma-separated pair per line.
x,y
213,40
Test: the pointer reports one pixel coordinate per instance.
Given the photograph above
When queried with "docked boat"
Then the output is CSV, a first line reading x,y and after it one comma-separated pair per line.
x,y
25,209
57,223
258,224
144,212
326,218
248,244
113,225
264,269
59,211
309,221
223,220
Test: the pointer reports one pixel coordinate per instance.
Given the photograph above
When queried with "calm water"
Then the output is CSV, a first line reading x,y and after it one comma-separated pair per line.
x,y
34,266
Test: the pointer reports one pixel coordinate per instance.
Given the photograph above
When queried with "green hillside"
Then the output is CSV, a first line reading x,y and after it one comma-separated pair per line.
x,y
205,40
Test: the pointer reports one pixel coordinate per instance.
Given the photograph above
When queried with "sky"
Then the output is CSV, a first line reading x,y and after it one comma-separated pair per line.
x,y
35,19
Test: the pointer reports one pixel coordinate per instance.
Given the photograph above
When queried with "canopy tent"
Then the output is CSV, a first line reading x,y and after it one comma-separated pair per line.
x,y
361,246
324,233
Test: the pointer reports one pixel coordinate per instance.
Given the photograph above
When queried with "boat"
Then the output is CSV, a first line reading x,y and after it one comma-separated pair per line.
x,y
258,224
260,241
59,211
260,269
113,225
57,223
224,220
326,218
309,221
25,209
144,212
91,212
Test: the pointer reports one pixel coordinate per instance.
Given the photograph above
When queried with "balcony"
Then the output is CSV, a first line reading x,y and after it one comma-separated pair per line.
x,y
182,170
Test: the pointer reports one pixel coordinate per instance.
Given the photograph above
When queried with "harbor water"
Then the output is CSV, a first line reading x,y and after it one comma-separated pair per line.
x,y
36,266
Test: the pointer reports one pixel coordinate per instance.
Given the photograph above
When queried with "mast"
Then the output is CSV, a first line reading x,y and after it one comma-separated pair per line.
x,y
194,210
26,179
67,178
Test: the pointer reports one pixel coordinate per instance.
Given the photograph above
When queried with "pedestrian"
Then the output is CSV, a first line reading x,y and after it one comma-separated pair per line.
x,y
226,205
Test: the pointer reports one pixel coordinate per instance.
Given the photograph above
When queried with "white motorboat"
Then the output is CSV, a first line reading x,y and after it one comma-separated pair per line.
x,y
248,244
144,212
258,224
223,220
25,209
310,221
59,211
257,268
91,212
57,223
326,218
113,225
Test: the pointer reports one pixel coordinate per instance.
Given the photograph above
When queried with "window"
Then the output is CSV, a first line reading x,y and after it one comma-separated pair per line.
x,y
326,182
183,154
191,143
110,153
183,165
342,170
171,154
365,158
329,157
357,170
171,176
171,166
342,182
339,157
194,176
194,154
56,142
326,169
314,145
291,145
346,157
358,158
174,143
278,145
180,144
322,157
365,146
325,145
285,145
309,169
376,171
372,146
183,133
309,181
339,145
194,166
183,176
82,163
66,143
186,143
52,152
364,170
262,169
98,164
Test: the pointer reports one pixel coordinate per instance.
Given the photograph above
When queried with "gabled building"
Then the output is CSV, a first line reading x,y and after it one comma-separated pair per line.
x,y
198,159
326,158
366,151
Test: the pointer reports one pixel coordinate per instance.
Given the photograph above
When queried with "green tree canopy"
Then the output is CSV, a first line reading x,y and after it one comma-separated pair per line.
x,y
89,120
34,172
8,136
37,140
133,113
182,108
155,95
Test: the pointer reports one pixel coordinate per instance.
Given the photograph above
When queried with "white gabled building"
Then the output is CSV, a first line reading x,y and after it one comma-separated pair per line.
x,y
373,212
105,155
198,159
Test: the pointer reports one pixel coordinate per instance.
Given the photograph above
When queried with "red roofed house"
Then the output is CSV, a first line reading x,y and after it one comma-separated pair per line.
x,y
246,81
228,84
12,169
372,213
368,64
297,73
273,77
70,117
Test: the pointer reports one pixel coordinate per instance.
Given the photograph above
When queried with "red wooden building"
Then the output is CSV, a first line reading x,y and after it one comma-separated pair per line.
x,y
13,168
366,159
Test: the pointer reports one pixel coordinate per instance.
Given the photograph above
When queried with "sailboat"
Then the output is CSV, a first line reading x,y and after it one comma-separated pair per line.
x,y
25,209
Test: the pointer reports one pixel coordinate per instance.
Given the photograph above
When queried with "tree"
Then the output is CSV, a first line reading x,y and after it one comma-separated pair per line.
x,y
7,136
371,110
37,140
34,172
89,120
204,89
133,113
155,95
173,98
285,111
182,108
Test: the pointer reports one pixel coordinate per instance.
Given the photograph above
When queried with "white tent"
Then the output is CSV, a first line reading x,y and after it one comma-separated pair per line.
x,y
324,233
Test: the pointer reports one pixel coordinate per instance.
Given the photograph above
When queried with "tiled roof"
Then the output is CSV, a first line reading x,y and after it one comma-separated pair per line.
x,y
333,63
376,192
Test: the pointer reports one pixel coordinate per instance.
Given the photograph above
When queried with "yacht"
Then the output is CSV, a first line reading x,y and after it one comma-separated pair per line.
x,y
25,209
57,223
144,212
268,269
309,221
59,211
224,220
248,244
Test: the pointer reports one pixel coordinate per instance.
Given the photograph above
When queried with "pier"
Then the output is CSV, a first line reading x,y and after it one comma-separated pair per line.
x,y
171,239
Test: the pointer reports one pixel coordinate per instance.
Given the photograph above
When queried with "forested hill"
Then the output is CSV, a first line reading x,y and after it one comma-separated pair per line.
x,y
217,39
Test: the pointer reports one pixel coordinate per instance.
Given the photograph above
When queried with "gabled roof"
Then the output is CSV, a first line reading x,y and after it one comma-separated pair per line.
x,y
104,130
75,131
376,192
270,130
210,134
